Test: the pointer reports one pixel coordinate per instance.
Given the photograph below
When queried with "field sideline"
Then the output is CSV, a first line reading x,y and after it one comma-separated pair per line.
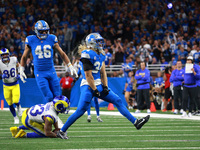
x,y
163,131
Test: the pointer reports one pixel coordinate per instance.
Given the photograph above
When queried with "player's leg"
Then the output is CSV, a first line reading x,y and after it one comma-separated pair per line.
x,y
43,85
96,104
7,91
84,104
115,99
54,85
89,118
37,128
16,97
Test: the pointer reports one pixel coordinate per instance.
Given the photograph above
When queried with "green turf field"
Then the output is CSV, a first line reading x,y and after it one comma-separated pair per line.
x,y
116,132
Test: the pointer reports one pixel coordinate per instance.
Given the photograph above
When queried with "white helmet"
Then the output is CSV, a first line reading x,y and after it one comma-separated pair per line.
x,y
95,41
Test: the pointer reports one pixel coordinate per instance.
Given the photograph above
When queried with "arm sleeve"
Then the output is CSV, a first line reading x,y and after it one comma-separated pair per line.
x,y
87,65
147,76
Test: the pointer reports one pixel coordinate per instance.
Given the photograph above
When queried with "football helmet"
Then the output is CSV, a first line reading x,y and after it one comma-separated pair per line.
x,y
5,55
40,27
61,104
95,41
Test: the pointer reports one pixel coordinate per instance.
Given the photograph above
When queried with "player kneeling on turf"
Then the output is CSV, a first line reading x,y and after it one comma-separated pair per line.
x,y
40,118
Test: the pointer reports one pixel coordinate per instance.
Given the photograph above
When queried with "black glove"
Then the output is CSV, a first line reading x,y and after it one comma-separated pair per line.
x,y
96,93
105,90
123,92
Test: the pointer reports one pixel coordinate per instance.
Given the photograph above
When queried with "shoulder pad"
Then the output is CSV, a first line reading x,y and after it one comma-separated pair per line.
x,y
89,54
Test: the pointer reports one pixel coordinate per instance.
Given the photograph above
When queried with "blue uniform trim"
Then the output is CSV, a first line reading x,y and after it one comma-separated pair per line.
x,y
36,131
11,84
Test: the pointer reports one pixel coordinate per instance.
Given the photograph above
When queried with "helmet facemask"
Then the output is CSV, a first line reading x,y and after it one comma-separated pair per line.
x,y
42,29
5,55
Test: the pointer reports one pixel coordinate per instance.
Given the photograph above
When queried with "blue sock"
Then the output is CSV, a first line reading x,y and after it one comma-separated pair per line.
x,y
88,111
23,127
12,110
34,135
17,104
96,105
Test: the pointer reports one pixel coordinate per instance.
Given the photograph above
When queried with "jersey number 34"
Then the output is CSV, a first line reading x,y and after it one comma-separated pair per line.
x,y
44,52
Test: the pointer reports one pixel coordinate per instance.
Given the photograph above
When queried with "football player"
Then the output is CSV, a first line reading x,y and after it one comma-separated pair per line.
x,y
11,89
96,103
41,46
94,83
40,118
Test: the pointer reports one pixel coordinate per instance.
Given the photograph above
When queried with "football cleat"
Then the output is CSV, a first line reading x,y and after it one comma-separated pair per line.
x,y
62,135
19,111
176,111
189,114
21,134
137,111
184,114
89,118
148,111
99,119
14,131
140,122
16,120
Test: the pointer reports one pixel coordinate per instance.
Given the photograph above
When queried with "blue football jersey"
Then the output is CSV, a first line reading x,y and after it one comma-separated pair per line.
x,y
96,60
42,51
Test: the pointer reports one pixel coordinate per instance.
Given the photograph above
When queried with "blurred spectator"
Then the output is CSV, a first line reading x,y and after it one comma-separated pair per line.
x,y
67,38
143,85
29,68
66,84
108,59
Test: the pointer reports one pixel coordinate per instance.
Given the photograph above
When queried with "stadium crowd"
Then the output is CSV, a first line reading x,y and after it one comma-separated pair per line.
x,y
134,31
143,30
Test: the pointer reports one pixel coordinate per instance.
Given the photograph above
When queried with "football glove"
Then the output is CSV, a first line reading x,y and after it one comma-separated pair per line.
x,y
4,76
72,70
18,77
96,93
22,74
105,90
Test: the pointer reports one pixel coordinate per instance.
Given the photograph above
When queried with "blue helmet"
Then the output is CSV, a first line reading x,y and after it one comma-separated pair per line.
x,y
5,55
61,104
40,27
95,41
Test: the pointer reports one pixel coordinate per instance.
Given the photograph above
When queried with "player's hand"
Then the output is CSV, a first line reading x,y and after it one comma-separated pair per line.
x,y
22,74
96,93
4,76
105,90
72,70
18,77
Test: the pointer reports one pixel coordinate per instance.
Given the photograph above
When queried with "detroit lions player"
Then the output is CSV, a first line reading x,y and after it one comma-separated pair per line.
x,y
94,83
41,45
96,103
11,89
40,118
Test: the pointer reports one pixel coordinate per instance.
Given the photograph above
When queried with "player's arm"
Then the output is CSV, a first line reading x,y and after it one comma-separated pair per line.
x,y
104,80
65,58
48,128
24,56
62,53
103,75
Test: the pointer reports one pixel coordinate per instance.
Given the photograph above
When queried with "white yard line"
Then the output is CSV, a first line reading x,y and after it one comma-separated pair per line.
x,y
153,115
149,148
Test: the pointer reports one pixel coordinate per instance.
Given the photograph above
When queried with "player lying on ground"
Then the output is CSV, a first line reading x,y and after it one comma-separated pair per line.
x,y
94,83
40,118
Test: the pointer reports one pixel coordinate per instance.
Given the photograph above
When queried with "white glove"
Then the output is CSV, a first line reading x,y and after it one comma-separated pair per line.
x,y
22,74
72,70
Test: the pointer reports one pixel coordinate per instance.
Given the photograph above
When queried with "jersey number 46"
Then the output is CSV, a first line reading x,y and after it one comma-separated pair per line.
x,y
46,53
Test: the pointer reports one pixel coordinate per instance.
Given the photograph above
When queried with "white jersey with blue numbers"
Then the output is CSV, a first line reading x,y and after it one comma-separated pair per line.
x,y
96,60
42,51
37,112
9,70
